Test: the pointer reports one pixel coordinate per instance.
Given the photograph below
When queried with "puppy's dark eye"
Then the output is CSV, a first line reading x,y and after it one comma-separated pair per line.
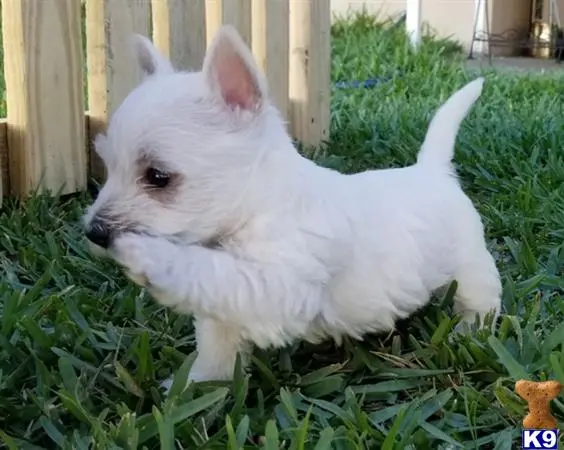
x,y
157,178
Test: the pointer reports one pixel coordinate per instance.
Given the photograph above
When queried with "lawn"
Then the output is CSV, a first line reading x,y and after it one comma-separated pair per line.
x,y
82,349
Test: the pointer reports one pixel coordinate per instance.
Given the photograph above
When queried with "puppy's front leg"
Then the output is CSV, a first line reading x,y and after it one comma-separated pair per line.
x,y
268,301
218,344
214,283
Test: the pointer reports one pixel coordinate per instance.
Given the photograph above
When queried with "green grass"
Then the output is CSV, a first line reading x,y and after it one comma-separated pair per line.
x,y
82,349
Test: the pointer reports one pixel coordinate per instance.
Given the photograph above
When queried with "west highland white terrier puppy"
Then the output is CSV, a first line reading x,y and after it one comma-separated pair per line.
x,y
208,204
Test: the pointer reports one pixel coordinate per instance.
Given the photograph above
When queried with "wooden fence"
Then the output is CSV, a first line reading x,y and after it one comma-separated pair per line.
x,y
45,138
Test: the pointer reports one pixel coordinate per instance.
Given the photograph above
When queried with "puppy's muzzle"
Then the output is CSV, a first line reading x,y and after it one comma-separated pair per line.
x,y
99,233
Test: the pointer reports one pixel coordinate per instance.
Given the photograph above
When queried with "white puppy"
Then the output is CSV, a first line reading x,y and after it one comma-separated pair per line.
x,y
208,204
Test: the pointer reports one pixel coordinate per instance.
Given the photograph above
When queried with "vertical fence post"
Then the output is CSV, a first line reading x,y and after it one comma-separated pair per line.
x,y
270,38
213,18
112,69
4,187
413,21
179,31
310,70
238,14
44,92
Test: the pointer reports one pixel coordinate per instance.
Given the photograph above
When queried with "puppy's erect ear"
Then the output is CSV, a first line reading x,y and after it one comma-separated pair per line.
x,y
149,58
231,72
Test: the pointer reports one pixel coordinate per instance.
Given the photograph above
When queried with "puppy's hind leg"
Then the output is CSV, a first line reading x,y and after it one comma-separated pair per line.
x,y
218,344
479,288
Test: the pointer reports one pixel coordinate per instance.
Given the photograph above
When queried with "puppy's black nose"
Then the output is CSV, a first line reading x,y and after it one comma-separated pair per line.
x,y
99,233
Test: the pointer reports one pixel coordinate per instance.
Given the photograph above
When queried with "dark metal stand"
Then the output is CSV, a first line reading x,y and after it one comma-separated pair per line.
x,y
519,39
481,36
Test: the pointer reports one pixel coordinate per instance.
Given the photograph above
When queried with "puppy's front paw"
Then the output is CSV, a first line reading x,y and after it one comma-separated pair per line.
x,y
193,376
471,321
136,253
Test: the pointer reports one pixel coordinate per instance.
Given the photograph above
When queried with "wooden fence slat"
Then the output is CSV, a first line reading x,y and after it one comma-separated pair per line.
x,y
179,31
310,65
270,38
112,69
213,19
43,70
4,187
238,14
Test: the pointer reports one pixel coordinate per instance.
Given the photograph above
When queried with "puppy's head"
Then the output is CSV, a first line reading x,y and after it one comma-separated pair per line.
x,y
179,149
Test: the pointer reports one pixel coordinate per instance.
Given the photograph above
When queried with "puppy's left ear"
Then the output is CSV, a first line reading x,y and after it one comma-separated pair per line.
x,y
150,59
231,72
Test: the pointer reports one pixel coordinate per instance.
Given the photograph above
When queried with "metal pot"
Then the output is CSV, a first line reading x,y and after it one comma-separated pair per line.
x,y
542,38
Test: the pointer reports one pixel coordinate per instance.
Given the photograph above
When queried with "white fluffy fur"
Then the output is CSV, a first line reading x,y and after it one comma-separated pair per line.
x,y
304,252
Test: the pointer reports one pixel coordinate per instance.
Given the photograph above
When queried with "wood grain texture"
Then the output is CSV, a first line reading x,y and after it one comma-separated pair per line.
x,y
213,18
4,176
113,71
271,28
44,94
179,31
238,14
310,65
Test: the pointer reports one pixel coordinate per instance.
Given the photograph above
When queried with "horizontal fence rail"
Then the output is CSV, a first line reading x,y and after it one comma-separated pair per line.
x,y
68,65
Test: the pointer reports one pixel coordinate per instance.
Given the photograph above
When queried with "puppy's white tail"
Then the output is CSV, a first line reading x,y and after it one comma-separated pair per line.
x,y
438,147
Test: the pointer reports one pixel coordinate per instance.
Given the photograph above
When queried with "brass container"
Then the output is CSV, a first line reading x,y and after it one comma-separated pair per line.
x,y
542,40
